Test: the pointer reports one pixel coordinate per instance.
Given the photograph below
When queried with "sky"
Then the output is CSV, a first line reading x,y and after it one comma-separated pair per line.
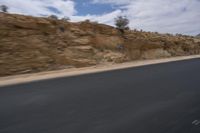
x,y
164,16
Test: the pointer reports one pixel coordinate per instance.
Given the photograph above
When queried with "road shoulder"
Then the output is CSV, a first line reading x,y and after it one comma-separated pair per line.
x,y
26,78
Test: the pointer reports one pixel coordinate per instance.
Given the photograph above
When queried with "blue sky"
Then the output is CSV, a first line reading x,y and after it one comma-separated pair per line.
x,y
165,16
85,8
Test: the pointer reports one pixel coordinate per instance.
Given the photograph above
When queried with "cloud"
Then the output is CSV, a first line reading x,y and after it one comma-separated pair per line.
x,y
107,18
172,16
115,2
41,7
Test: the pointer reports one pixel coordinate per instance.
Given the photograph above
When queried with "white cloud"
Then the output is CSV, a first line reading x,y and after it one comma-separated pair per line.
x,y
115,2
172,16
104,18
39,7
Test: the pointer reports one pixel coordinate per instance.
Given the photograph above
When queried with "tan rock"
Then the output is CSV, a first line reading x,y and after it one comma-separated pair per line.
x,y
29,44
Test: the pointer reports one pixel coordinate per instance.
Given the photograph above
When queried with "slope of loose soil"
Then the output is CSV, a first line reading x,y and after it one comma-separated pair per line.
x,y
29,44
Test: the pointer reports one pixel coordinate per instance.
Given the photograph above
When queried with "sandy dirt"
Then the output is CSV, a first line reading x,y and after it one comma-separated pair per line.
x,y
25,78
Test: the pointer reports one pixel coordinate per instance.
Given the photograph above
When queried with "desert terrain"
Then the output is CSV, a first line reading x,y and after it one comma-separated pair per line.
x,y
30,44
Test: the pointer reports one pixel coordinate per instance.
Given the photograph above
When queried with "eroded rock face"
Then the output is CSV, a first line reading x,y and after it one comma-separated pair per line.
x,y
29,44
107,42
155,53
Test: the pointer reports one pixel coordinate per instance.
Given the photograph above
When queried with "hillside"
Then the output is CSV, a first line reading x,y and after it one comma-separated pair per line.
x,y
29,44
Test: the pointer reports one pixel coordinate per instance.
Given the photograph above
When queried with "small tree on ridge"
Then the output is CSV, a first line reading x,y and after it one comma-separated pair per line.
x,y
53,17
122,22
65,19
4,8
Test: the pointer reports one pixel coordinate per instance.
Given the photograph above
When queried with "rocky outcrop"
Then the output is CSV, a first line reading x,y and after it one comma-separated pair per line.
x,y
29,44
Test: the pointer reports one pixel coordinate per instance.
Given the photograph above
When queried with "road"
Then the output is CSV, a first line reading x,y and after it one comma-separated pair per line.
x,y
161,98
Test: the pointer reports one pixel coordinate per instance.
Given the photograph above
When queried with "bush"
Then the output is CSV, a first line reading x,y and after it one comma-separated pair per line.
x,y
122,22
87,21
53,17
4,8
65,19
95,22
62,29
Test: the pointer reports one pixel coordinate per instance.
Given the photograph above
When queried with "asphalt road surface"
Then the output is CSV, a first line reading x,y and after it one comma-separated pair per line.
x,y
162,98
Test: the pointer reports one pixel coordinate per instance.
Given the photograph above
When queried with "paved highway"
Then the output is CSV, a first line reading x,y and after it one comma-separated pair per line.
x,y
162,98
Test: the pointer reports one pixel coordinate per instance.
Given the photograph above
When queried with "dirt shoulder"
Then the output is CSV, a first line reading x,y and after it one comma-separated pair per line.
x,y
26,78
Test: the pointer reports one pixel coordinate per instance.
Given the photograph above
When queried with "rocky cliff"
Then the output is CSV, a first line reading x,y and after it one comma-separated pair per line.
x,y
29,44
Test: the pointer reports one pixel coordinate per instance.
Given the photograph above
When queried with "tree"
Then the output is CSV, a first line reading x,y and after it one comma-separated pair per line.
x,y
66,19
87,21
4,8
122,22
53,17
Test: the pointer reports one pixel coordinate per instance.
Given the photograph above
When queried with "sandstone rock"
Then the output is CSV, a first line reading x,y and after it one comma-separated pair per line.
x,y
29,44
82,41
155,53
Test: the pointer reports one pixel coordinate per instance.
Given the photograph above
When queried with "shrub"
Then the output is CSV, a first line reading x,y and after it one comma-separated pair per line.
x,y
4,8
65,19
95,22
53,17
122,22
87,21
62,29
